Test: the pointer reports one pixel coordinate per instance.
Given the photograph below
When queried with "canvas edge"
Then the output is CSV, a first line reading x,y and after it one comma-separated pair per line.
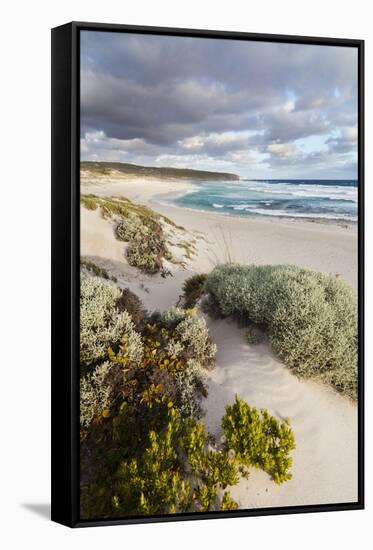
x,y
64,372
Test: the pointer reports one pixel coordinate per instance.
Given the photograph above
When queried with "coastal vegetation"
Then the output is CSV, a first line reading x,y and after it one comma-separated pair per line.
x,y
101,322
259,439
193,289
126,169
149,235
146,243
124,208
310,317
144,446
96,269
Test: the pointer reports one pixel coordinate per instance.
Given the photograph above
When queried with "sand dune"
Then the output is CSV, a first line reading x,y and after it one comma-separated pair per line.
x,y
324,423
99,245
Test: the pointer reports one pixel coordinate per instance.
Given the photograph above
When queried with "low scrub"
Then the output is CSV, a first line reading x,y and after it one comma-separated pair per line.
x,y
96,270
102,325
89,202
140,427
144,449
175,473
123,208
130,302
193,289
148,250
167,358
311,318
259,440
140,227
96,391
177,353
146,240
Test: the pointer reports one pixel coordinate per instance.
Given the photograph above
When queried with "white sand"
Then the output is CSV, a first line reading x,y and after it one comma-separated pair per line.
x,y
325,424
99,245
134,188
326,247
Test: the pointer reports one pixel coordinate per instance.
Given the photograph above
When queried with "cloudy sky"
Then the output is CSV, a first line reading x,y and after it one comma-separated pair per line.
x,y
261,110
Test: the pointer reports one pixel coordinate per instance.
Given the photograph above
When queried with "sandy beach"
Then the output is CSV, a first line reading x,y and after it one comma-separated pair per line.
x,y
220,320
324,423
327,247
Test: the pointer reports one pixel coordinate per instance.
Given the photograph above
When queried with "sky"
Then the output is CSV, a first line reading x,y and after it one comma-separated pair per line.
x,y
256,109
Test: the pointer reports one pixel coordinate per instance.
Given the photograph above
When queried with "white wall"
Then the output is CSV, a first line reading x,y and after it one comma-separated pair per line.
x,y
25,248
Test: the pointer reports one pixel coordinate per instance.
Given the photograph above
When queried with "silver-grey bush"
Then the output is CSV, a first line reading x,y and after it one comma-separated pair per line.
x,y
101,323
311,317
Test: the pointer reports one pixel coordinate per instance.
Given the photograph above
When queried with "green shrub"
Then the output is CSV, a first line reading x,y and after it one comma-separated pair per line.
x,y
190,249
193,333
193,289
147,244
147,250
140,462
168,468
96,394
96,270
89,201
128,228
140,227
175,473
173,316
185,347
174,362
190,335
143,450
258,439
227,502
101,324
311,318
174,347
210,307
124,208
132,401
130,302
190,383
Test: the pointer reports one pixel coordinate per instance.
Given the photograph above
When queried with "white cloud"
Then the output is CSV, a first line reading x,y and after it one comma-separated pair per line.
x,y
257,109
283,150
350,134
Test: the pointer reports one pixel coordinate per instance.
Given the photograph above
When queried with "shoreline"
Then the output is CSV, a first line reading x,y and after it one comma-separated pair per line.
x,y
142,190
326,247
325,424
165,199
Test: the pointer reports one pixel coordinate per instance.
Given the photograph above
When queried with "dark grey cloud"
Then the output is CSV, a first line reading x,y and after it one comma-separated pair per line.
x,y
283,126
156,97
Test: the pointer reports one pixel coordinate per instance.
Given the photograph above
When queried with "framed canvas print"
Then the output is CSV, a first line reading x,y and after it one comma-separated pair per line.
x,y
207,274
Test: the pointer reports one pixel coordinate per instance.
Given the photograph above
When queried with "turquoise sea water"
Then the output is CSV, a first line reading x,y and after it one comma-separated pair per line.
x,y
325,199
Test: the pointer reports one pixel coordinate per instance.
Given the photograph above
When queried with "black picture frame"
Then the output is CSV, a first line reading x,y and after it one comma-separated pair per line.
x,y
65,271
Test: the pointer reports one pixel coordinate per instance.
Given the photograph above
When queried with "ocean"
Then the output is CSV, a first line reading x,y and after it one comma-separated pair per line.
x,y
291,198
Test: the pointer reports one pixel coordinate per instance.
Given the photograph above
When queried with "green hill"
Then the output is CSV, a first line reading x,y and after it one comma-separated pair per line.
x,y
106,168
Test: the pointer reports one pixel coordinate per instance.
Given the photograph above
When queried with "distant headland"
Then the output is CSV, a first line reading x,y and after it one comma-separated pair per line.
x,y
106,168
